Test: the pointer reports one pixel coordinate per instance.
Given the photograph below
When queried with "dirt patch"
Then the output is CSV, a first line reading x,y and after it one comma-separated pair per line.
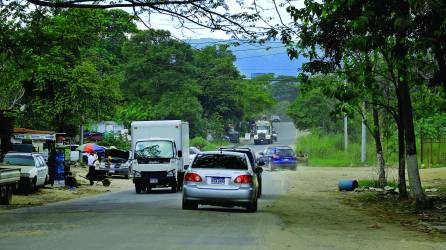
x,y
50,194
316,216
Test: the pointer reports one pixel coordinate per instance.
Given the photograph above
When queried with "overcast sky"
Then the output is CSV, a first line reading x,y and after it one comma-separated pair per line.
x,y
195,31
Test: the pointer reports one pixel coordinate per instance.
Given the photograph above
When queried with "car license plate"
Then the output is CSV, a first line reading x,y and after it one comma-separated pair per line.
x,y
286,159
112,171
218,180
153,180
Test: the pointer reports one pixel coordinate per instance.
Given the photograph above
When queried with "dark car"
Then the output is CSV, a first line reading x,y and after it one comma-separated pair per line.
x,y
234,137
275,118
252,158
279,157
116,162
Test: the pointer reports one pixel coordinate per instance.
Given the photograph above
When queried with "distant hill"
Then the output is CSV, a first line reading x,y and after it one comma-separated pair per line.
x,y
253,59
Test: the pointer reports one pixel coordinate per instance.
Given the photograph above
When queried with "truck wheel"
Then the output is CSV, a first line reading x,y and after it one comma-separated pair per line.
x,y
138,188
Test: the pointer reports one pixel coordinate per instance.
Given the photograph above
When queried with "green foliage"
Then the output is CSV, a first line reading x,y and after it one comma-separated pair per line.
x,y
205,145
103,67
314,110
116,141
328,150
375,183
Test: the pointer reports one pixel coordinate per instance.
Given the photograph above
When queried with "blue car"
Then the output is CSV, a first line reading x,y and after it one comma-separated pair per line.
x,y
279,157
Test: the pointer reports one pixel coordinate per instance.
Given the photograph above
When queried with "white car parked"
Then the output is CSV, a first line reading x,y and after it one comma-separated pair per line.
x,y
33,169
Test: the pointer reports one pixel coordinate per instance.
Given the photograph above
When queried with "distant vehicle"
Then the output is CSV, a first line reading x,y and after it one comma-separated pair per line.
x,y
9,182
116,162
279,157
160,153
275,118
263,132
252,159
223,179
193,151
33,169
234,137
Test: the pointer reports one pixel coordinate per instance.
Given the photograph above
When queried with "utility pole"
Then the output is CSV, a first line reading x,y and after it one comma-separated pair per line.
x,y
345,133
363,137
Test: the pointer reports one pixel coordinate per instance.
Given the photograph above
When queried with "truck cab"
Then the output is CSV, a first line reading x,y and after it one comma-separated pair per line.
x,y
159,161
263,132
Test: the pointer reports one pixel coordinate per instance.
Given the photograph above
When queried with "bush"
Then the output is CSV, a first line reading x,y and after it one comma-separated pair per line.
x,y
199,142
204,145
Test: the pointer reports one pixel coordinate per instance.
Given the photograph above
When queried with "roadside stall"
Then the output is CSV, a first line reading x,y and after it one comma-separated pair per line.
x,y
43,142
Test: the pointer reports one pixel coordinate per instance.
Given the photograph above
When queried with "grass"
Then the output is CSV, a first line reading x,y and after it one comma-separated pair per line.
x,y
205,145
328,150
375,184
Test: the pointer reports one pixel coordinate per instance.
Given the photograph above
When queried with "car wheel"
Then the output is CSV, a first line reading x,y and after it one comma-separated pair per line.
x,y
138,188
189,205
252,207
126,177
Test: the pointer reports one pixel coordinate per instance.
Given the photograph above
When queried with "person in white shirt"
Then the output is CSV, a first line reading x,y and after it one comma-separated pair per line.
x,y
91,160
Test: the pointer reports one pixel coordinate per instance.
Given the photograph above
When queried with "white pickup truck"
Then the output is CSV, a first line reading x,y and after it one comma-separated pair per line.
x,y
33,169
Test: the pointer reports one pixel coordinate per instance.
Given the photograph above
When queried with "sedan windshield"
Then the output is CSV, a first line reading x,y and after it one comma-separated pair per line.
x,y
21,160
284,152
220,161
154,149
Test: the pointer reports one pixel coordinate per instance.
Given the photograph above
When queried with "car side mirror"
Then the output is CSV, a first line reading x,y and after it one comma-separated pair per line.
x,y
186,167
261,163
180,153
261,153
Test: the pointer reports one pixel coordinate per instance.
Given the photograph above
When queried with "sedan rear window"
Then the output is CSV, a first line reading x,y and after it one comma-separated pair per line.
x,y
284,152
220,161
21,160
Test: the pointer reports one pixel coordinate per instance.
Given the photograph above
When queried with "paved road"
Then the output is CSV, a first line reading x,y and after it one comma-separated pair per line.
x,y
125,220
286,136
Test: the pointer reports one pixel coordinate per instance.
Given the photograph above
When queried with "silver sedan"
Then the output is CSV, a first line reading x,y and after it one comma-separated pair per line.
x,y
221,178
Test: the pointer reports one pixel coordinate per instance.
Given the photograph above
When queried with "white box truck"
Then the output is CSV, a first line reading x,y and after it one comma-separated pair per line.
x,y
160,154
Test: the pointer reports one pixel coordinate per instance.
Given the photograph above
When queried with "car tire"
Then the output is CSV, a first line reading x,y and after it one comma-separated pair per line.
x,y
189,205
126,176
138,188
252,207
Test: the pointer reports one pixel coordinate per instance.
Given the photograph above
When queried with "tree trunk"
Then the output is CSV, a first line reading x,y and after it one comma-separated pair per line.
x,y
401,159
379,149
416,189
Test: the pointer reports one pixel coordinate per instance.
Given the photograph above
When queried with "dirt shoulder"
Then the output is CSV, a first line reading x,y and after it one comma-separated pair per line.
x,y
316,216
50,194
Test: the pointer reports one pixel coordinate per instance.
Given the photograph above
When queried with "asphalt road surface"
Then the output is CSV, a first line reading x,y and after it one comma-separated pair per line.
x,y
125,220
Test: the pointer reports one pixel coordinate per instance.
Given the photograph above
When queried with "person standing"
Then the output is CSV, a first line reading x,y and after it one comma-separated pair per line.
x,y
91,166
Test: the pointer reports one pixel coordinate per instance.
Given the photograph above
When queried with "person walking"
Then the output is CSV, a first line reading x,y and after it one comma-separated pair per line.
x,y
91,166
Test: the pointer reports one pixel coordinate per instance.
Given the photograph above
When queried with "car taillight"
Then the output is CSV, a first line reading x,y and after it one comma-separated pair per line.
x,y
193,177
243,179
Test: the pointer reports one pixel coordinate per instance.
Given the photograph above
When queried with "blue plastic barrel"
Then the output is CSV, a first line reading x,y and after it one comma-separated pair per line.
x,y
348,185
